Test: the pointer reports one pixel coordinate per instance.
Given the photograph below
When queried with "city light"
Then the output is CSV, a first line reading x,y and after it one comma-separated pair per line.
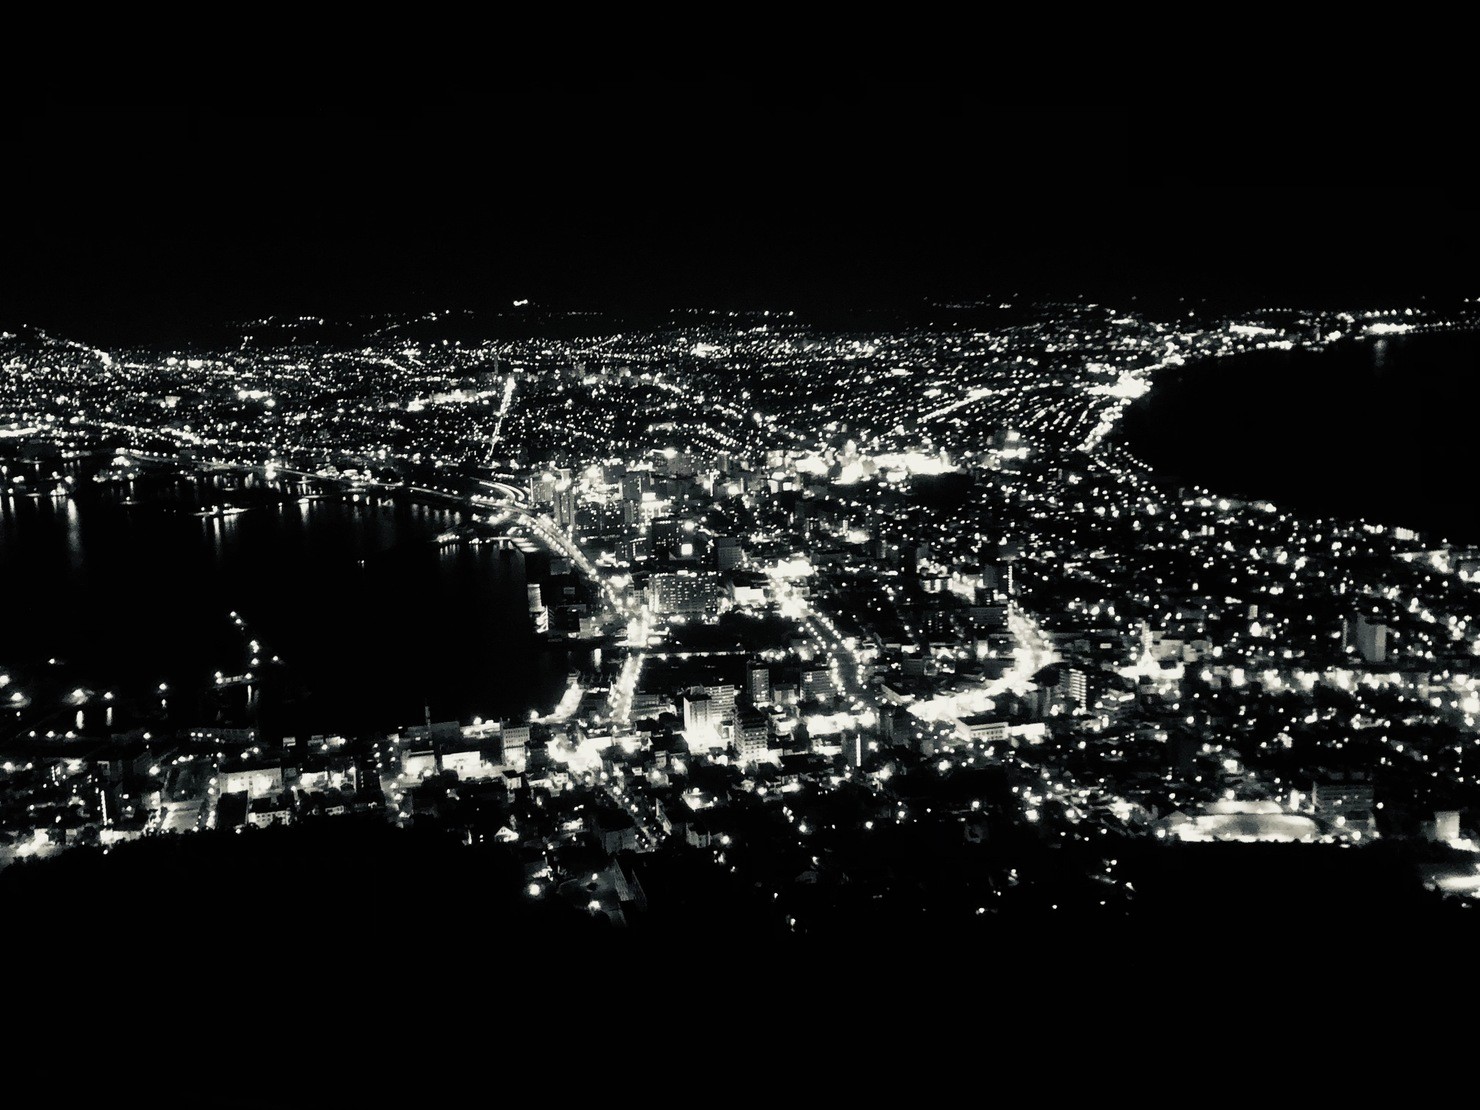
x,y
837,616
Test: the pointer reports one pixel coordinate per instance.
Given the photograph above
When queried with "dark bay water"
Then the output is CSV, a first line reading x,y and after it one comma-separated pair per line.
x,y
368,617
1379,429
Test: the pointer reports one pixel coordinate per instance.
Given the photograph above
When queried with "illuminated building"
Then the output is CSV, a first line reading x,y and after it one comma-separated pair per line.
x,y
438,732
565,508
752,735
666,537
981,728
268,810
469,764
645,703
1445,825
212,735
418,764
1347,801
538,614
723,697
726,553
817,683
514,741
1074,685
684,591
634,484
699,711
255,781
758,683
746,590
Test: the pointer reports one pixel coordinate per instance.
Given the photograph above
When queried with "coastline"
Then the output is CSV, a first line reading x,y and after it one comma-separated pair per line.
x,y
1322,431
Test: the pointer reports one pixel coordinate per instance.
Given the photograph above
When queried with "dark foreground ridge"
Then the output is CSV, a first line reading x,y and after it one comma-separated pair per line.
x,y
364,880
337,879
294,945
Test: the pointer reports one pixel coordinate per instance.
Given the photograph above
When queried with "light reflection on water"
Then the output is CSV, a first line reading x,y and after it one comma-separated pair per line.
x,y
139,593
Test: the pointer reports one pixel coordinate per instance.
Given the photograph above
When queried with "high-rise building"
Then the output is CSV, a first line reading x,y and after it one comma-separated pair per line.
x,y
666,537
698,711
538,614
634,484
1074,685
726,553
514,742
817,682
752,735
565,508
723,698
758,683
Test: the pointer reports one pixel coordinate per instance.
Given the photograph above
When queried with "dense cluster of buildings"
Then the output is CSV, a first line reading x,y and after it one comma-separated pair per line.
x,y
886,615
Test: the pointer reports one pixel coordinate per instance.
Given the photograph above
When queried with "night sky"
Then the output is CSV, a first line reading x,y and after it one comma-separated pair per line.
x,y
164,210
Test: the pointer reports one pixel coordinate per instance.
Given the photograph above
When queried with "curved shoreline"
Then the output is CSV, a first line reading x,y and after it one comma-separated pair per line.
x,y
258,559
1369,433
